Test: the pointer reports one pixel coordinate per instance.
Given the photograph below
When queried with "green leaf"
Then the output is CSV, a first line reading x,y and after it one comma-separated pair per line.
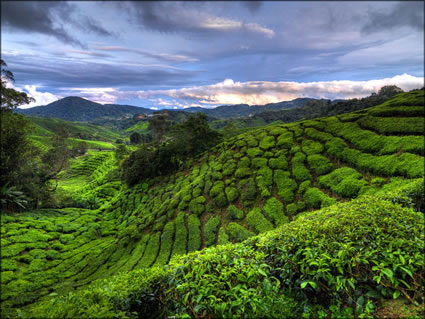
x,y
388,272
407,271
396,294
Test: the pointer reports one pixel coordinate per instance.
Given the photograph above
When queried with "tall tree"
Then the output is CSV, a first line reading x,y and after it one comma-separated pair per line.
x,y
10,98
16,151
158,125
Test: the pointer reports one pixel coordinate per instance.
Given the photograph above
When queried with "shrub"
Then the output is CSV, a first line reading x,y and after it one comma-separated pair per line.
x,y
259,162
242,172
233,212
151,250
210,230
220,201
257,221
179,247
300,172
292,209
303,187
311,147
285,140
223,238
315,198
166,244
343,181
238,232
349,187
197,206
267,142
231,193
364,240
194,241
229,167
319,164
248,191
286,186
218,188
280,162
253,152
274,210
267,175
261,184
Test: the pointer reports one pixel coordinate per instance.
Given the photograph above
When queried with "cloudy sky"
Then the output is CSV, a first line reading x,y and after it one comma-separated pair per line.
x,y
181,54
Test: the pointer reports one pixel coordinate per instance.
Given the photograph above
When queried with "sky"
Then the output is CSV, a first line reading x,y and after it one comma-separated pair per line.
x,y
191,53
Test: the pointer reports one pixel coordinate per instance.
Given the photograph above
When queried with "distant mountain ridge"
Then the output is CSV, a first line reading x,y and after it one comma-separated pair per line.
x,y
73,108
245,110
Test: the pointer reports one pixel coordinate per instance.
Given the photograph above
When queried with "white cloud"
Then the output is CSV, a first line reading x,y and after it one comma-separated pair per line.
x,y
41,98
260,92
223,24
98,95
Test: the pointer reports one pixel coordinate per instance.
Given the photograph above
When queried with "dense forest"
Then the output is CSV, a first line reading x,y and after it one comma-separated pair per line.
x,y
311,212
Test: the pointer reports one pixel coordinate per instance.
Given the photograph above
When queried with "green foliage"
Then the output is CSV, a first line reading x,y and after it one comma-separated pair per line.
x,y
232,212
197,205
267,142
166,244
371,249
258,222
344,181
194,240
210,230
279,163
286,186
274,210
315,198
248,191
238,232
232,193
319,164
179,247
222,238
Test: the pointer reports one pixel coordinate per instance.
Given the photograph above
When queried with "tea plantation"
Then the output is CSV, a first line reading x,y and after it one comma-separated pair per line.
x,y
318,218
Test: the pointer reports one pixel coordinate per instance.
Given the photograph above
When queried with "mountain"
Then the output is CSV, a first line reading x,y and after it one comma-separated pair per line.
x,y
245,110
73,108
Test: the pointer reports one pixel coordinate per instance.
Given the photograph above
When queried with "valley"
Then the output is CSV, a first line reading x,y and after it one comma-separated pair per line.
x,y
340,198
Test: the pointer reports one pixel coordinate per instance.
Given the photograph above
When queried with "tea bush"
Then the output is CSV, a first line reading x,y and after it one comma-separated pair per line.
x,y
210,230
194,241
232,212
274,210
258,222
237,232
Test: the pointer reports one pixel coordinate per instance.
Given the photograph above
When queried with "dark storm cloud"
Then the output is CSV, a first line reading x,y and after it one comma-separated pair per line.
x,y
403,14
74,73
35,17
43,17
192,17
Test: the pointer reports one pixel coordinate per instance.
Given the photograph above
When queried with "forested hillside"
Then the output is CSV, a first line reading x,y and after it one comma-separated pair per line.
x,y
332,188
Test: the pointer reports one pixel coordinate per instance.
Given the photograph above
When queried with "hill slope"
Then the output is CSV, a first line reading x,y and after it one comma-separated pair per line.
x,y
247,185
74,108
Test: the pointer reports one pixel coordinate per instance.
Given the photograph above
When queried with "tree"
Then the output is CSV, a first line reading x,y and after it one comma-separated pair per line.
x,y
10,98
135,138
193,136
389,91
158,125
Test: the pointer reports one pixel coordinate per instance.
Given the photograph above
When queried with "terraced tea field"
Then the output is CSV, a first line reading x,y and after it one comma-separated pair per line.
x,y
249,184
